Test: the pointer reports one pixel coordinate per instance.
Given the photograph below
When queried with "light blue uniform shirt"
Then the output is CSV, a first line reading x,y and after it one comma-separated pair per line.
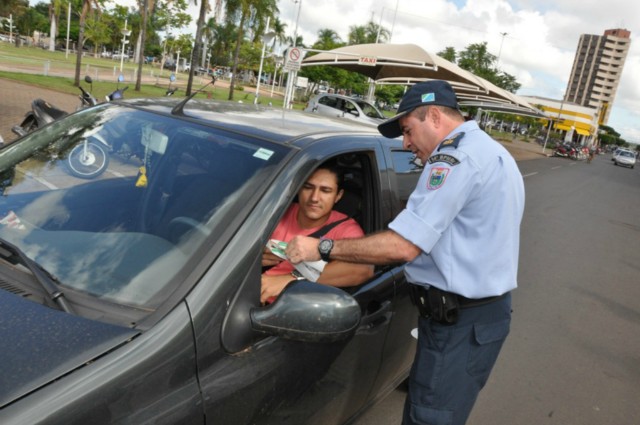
x,y
465,214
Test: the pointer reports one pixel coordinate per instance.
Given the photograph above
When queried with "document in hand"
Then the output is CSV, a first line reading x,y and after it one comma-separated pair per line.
x,y
309,269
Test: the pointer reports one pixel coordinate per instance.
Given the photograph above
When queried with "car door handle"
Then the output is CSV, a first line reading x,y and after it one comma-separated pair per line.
x,y
377,317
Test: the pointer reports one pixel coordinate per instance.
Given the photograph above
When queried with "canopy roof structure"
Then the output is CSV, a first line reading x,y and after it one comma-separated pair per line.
x,y
409,64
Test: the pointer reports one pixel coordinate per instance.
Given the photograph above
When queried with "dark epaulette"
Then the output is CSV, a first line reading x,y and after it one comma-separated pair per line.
x,y
452,142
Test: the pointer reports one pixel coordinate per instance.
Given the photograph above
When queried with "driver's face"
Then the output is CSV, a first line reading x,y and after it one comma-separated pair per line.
x,y
318,196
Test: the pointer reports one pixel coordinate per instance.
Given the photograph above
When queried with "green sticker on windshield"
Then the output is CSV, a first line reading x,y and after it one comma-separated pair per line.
x,y
263,154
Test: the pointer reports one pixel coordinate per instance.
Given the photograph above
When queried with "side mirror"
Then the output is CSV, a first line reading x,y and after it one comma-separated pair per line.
x,y
309,312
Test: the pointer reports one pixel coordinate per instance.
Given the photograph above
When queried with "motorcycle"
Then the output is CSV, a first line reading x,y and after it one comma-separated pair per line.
x,y
565,151
88,159
42,112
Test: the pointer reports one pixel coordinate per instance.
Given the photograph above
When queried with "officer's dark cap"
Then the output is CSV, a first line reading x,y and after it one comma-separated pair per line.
x,y
433,92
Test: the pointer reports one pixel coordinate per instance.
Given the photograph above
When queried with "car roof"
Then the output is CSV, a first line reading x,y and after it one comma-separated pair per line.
x,y
265,122
341,96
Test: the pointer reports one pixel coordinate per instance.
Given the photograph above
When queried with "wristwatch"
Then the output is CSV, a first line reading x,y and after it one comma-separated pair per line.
x,y
324,248
297,275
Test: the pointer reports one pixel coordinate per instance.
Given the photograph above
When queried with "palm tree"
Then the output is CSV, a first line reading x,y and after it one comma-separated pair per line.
x,y
144,6
376,33
197,46
327,39
244,9
357,35
87,6
279,28
369,33
55,7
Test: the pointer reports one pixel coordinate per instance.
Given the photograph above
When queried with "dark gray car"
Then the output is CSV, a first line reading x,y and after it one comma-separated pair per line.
x,y
132,295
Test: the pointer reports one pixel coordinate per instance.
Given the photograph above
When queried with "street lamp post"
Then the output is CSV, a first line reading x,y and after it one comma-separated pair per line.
x,y
503,34
125,33
288,94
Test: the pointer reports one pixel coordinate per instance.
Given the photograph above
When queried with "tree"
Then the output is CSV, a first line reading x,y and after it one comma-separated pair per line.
x,y
449,53
87,6
55,8
477,60
328,39
97,31
198,45
242,10
280,30
13,7
368,34
144,7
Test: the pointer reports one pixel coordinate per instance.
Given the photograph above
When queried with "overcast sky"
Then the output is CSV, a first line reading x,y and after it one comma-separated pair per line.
x,y
538,49
542,36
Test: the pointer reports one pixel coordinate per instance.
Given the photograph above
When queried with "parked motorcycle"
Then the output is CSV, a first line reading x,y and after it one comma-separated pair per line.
x,y
42,112
87,160
566,151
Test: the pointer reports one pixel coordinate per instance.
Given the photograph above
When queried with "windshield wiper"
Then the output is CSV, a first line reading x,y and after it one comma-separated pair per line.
x,y
44,278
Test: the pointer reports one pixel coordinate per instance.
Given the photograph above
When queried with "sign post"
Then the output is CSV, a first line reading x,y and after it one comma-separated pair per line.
x,y
292,62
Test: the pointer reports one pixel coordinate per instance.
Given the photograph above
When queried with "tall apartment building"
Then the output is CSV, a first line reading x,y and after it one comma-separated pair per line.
x,y
597,68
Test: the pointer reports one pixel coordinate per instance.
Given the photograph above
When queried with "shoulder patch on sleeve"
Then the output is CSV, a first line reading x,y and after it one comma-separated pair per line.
x,y
443,157
437,176
452,142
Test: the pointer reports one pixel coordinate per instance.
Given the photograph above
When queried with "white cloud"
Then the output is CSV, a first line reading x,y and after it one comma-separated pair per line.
x,y
542,36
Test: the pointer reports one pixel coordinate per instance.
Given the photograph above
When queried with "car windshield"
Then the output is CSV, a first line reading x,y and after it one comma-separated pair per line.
x,y
627,154
370,110
115,202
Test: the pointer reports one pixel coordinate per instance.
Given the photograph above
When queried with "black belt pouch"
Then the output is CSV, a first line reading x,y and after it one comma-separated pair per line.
x,y
444,306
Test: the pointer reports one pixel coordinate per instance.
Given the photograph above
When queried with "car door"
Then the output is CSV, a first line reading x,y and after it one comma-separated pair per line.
x,y
249,377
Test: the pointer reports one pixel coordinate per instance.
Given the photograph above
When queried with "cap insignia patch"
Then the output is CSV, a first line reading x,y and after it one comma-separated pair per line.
x,y
428,97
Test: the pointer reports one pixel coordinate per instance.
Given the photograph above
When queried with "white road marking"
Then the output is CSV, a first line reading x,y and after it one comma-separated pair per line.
x,y
529,175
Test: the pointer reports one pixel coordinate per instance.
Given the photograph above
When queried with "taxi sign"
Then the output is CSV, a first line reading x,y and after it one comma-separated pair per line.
x,y
367,60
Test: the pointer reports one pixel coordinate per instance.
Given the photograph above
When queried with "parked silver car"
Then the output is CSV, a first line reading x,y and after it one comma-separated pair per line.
x,y
335,105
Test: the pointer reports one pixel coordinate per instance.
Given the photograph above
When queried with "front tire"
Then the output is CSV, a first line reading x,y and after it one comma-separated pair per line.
x,y
88,160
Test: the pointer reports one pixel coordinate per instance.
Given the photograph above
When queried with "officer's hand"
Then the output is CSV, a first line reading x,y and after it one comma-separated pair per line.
x,y
302,248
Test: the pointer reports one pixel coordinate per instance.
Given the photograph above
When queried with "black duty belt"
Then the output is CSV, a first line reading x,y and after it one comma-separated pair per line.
x,y
442,306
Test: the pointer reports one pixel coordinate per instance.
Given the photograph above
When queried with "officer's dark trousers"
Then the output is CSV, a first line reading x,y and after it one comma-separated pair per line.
x,y
453,362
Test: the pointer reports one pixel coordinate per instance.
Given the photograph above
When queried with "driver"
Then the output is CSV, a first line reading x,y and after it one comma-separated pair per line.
x,y
310,216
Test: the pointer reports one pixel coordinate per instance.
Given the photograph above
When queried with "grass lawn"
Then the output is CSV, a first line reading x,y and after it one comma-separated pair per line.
x,y
56,71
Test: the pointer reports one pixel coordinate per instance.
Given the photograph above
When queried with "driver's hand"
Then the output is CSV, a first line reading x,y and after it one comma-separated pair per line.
x,y
269,259
272,286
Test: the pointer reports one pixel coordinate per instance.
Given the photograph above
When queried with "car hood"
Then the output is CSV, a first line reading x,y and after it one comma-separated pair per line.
x,y
40,344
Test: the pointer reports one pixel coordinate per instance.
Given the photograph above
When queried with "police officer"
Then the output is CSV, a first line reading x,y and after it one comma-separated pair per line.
x,y
459,235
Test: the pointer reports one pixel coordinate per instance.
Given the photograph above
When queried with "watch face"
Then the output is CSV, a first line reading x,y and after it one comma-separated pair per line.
x,y
325,245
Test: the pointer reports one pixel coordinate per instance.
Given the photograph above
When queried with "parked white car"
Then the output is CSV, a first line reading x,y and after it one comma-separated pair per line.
x,y
334,105
624,157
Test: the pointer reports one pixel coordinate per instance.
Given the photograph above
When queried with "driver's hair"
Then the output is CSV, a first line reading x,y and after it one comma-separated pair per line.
x,y
333,167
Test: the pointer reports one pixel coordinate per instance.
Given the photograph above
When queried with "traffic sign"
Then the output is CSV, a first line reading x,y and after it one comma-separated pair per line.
x,y
293,59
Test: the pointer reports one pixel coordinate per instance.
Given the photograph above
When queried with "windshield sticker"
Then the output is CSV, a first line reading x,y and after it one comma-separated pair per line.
x,y
263,153
437,177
